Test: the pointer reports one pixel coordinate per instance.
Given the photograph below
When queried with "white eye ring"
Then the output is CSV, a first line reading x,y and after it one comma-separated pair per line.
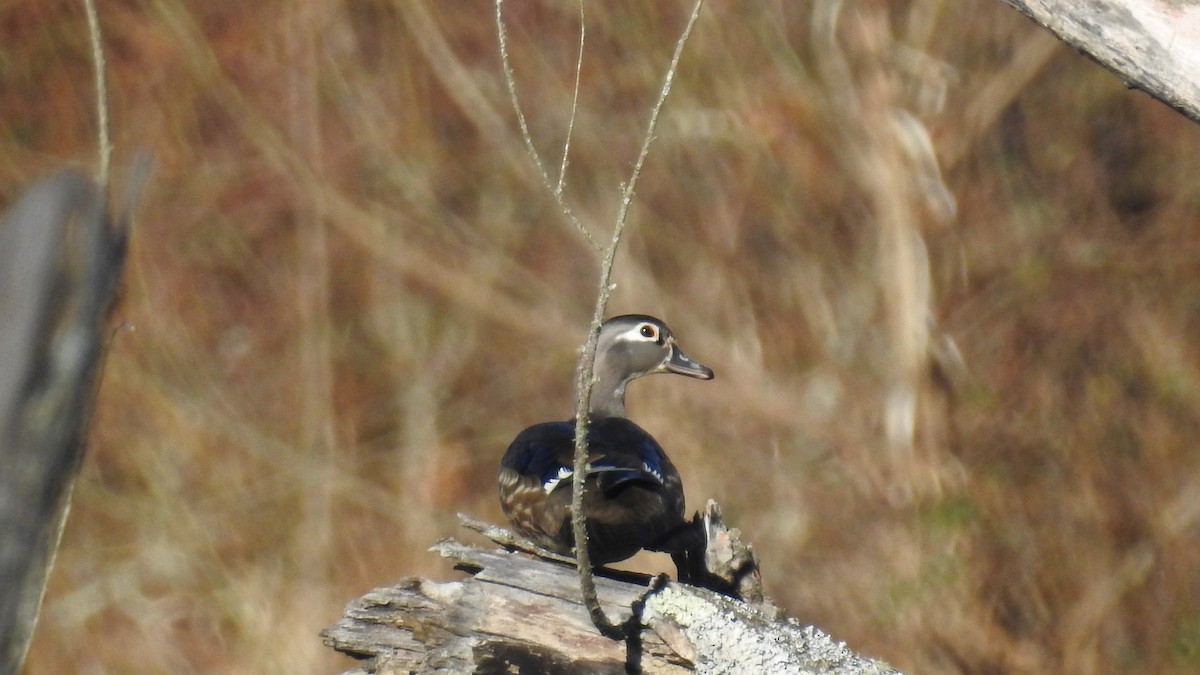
x,y
643,332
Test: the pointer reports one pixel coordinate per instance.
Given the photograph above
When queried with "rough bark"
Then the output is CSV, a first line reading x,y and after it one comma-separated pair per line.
x,y
1153,45
522,613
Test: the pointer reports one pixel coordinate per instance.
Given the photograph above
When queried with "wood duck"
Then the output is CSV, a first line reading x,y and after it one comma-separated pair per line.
x,y
633,496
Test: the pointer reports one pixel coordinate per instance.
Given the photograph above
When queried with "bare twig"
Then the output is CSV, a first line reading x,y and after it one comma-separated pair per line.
x,y
562,170
584,374
98,63
511,82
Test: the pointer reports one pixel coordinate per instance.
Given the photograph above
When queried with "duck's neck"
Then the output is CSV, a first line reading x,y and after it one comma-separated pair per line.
x,y
608,394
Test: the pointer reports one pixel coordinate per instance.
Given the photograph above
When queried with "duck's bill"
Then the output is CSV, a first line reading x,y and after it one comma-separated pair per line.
x,y
682,364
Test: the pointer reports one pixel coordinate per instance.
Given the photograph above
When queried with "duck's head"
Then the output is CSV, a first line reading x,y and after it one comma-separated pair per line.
x,y
629,347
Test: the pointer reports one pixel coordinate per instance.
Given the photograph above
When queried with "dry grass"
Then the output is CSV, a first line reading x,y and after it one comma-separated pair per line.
x,y
348,291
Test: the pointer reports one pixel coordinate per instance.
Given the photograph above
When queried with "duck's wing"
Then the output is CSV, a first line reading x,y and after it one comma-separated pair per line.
x,y
531,473
623,453
538,454
620,452
634,494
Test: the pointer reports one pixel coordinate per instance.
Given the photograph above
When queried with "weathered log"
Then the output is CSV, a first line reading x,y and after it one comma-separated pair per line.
x,y
518,612
1153,45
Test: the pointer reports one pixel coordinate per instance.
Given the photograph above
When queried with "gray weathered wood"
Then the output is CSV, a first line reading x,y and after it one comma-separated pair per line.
x,y
1153,45
59,261
520,613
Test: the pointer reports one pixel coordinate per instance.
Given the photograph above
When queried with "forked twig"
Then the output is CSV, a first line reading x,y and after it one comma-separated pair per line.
x,y
511,82
584,374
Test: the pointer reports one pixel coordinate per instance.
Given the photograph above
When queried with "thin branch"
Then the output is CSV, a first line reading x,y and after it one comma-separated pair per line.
x,y
562,171
511,82
98,63
585,376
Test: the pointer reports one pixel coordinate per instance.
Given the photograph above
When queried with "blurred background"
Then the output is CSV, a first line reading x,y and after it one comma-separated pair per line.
x,y
946,270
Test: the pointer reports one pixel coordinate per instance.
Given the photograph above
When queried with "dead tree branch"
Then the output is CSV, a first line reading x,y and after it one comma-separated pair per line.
x,y
59,263
1153,45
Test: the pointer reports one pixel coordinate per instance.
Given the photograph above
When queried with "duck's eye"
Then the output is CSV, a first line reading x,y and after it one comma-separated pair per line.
x,y
649,331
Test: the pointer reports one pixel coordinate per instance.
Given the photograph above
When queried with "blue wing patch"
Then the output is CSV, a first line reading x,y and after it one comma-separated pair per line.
x,y
642,466
652,457
621,453
541,460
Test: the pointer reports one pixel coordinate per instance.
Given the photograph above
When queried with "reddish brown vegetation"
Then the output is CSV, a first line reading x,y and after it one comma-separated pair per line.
x,y
347,292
